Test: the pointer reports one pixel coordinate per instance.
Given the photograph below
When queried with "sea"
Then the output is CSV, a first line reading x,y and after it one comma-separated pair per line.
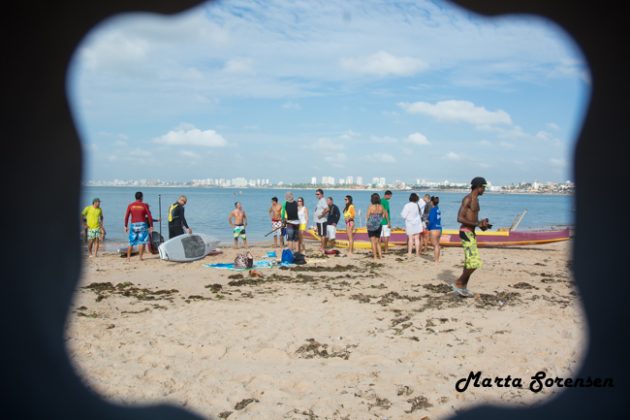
x,y
207,209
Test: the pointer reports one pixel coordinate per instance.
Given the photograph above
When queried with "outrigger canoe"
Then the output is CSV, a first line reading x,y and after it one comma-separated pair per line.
x,y
450,237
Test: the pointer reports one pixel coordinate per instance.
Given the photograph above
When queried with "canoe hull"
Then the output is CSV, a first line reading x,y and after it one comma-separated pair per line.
x,y
450,237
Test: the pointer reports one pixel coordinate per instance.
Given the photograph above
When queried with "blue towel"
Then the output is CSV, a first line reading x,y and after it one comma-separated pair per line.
x,y
230,266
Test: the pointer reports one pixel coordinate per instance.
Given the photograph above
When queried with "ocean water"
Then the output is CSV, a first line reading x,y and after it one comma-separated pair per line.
x,y
207,209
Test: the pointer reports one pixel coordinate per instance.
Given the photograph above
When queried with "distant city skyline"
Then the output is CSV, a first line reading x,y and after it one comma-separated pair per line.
x,y
286,90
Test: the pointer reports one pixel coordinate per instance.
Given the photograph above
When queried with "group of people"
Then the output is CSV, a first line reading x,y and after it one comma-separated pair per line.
x,y
289,221
138,224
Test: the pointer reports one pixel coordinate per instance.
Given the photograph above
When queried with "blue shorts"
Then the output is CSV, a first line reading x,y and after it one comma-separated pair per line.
x,y
292,232
138,234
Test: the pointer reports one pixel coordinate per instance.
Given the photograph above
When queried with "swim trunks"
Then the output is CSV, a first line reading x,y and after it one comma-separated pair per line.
x,y
321,229
93,233
276,226
331,232
302,227
292,232
239,232
386,232
138,234
472,259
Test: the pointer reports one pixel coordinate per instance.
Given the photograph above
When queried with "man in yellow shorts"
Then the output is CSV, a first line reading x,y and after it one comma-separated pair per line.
x,y
468,216
92,217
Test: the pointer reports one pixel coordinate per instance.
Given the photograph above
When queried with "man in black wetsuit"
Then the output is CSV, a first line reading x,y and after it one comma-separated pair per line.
x,y
176,219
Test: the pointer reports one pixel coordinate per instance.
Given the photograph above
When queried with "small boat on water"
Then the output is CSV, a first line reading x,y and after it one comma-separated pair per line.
x,y
450,237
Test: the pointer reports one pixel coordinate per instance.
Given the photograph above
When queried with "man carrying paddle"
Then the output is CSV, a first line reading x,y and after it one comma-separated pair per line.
x,y
468,216
275,212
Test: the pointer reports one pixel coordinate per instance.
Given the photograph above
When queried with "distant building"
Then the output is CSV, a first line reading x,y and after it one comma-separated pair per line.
x,y
314,180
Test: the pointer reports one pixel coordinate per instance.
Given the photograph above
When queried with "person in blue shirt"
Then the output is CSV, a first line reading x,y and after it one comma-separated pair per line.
x,y
435,227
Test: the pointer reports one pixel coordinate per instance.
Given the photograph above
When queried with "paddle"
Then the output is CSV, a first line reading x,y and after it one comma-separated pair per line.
x,y
273,231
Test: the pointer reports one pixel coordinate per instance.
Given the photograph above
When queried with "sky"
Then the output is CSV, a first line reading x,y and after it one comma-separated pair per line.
x,y
289,90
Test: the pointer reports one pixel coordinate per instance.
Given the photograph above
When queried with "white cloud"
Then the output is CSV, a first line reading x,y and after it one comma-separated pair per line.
x,y
418,138
383,140
190,136
291,105
452,156
458,111
325,145
553,126
558,163
238,66
140,153
379,158
337,160
543,135
383,63
349,135
189,154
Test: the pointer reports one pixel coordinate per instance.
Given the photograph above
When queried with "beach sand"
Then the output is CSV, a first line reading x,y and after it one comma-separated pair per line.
x,y
340,337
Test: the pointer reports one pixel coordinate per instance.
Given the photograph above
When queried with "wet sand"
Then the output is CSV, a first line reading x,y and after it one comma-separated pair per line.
x,y
340,337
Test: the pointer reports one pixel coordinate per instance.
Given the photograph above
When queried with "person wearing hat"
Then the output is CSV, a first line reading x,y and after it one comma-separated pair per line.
x,y
468,216
92,218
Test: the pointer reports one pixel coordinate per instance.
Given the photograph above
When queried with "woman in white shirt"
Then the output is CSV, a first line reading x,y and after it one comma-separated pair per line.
x,y
413,223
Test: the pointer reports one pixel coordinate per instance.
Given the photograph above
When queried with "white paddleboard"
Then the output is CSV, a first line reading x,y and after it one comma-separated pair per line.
x,y
188,247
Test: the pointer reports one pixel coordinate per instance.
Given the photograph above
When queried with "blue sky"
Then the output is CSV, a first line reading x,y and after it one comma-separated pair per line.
x,y
288,90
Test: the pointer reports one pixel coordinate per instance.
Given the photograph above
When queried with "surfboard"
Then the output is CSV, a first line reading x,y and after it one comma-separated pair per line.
x,y
188,247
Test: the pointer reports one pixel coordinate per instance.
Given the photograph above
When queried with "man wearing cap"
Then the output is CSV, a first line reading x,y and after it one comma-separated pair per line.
x,y
92,219
468,216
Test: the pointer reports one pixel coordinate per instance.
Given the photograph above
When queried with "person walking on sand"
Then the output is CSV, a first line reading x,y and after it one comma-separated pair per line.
x,y
412,216
238,220
141,224
435,227
303,216
176,218
275,212
348,217
92,218
333,218
425,205
321,217
291,220
374,216
468,216
386,231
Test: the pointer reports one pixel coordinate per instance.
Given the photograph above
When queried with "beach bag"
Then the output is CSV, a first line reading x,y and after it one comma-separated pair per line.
x,y
287,256
298,258
244,261
374,222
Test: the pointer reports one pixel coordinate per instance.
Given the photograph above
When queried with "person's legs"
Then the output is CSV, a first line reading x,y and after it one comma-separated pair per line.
x,y
96,246
141,251
416,240
435,239
375,245
129,253
89,247
350,240
409,245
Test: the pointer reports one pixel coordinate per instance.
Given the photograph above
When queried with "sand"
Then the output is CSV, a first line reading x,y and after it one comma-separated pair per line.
x,y
340,338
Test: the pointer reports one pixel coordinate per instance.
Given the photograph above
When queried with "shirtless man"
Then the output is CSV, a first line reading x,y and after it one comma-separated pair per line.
x,y
468,216
238,221
275,212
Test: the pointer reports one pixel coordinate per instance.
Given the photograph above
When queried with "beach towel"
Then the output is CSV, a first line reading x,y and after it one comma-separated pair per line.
x,y
230,266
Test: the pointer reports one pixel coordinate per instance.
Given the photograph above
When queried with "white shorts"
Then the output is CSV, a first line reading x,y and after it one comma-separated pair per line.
x,y
386,232
331,232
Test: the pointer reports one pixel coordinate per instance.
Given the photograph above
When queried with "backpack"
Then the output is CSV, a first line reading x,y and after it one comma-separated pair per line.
x,y
287,256
244,261
298,258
